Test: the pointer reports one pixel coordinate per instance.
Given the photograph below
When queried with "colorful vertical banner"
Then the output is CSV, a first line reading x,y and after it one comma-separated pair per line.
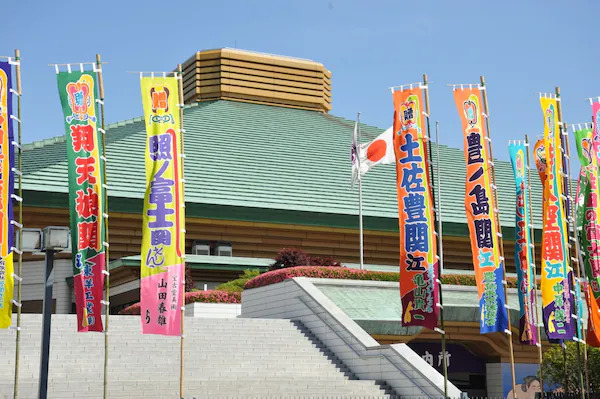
x,y
588,225
557,301
596,128
77,92
539,155
418,245
163,240
480,209
523,246
6,191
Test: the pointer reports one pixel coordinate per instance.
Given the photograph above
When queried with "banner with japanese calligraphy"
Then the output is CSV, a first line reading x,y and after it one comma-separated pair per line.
x,y
480,209
77,92
596,128
523,246
539,155
6,190
557,301
163,241
588,226
418,251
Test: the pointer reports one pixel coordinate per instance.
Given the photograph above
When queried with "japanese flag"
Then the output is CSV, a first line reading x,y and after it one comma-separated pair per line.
x,y
378,151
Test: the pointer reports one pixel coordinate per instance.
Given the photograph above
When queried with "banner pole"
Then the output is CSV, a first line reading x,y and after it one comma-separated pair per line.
x,y
564,350
181,138
573,235
437,221
105,217
20,242
501,242
441,260
535,299
360,200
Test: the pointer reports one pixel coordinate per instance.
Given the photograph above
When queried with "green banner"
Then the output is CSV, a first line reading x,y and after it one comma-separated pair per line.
x,y
77,92
588,209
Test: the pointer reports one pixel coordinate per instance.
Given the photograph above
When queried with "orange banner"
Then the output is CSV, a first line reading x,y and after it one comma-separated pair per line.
x,y
418,252
593,331
480,209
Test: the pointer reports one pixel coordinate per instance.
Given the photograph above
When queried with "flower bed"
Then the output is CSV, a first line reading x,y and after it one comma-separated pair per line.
x,y
195,296
278,276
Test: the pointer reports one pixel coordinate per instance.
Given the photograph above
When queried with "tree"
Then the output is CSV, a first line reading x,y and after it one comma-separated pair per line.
x,y
189,281
554,370
290,257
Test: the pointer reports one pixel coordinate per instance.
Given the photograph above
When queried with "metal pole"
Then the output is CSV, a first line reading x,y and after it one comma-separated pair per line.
x,y
180,156
105,216
441,260
360,202
437,222
46,325
570,214
20,233
564,348
501,244
535,299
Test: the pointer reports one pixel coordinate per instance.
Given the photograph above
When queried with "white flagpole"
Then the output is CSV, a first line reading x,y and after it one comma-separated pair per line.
x,y
360,214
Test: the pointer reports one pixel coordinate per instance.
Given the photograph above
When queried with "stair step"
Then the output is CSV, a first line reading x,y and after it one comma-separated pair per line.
x,y
224,358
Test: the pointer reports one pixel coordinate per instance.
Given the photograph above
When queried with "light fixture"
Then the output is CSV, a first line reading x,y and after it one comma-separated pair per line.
x,y
32,240
55,238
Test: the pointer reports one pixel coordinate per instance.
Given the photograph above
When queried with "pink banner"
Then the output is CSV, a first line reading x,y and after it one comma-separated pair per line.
x,y
161,308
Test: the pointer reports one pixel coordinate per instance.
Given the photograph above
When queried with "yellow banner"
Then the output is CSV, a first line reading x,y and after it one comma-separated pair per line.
x,y
557,302
6,186
163,241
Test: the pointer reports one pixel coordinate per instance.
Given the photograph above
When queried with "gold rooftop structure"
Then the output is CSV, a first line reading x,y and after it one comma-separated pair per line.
x,y
239,75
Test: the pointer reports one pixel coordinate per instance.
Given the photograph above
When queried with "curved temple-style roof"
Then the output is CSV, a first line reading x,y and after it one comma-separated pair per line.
x,y
244,158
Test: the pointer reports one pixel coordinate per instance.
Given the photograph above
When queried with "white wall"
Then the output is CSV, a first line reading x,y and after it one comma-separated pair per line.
x,y
34,280
493,377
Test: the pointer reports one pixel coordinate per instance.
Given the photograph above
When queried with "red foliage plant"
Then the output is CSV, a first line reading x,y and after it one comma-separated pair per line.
x,y
277,276
195,296
292,257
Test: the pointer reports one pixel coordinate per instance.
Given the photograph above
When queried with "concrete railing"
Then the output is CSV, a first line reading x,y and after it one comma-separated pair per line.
x,y
213,310
397,365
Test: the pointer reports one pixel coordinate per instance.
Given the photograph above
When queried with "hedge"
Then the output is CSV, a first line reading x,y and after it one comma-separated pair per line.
x,y
213,296
277,276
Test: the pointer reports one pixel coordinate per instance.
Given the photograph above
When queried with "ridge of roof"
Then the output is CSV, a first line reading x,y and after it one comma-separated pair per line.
x,y
61,139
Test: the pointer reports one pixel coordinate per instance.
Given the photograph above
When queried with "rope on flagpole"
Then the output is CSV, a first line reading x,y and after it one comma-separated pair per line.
x,y
179,76
499,227
535,298
98,69
571,225
20,233
437,222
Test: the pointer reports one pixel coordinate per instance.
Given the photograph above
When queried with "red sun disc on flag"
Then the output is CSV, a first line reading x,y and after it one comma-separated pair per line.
x,y
376,150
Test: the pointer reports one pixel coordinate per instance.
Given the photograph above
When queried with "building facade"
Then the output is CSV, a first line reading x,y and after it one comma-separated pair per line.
x,y
267,167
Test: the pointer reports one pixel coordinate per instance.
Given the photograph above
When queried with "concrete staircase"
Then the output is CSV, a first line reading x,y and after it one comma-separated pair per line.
x,y
224,358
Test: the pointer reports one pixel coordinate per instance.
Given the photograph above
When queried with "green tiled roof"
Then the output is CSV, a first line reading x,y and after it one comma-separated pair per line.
x,y
374,305
267,158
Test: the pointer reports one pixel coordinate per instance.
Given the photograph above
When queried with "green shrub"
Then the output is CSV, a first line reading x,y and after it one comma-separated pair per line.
x,y
237,285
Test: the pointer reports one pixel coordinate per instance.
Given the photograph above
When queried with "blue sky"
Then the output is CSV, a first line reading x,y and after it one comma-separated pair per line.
x,y
522,48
